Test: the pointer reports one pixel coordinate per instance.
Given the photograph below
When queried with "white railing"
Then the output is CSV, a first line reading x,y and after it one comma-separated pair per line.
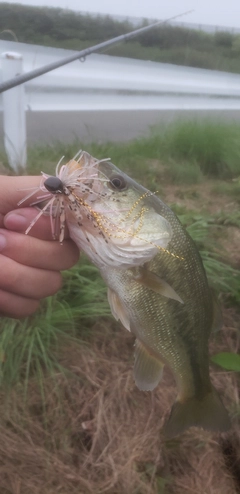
x,y
102,82
14,121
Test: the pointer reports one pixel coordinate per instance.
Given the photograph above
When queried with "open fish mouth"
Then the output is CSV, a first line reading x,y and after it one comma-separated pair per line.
x,y
107,216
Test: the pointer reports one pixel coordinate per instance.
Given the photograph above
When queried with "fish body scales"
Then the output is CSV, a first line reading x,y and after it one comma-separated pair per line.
x,y
157,285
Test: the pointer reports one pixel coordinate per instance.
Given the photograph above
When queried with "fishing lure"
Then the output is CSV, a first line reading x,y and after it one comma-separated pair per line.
x,y
64,189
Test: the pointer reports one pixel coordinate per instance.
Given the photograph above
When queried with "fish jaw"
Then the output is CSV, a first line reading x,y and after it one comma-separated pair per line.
x,y
115,250
115,228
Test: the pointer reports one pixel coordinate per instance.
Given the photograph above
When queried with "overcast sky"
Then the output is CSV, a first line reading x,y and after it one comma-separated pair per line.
x,y
216,12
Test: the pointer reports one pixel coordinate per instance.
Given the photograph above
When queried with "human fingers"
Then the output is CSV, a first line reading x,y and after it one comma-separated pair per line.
x,y
13,189
19,220
15,306
38,253
27,281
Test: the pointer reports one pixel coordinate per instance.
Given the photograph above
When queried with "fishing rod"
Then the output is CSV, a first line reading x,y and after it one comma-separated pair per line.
x,y
20,79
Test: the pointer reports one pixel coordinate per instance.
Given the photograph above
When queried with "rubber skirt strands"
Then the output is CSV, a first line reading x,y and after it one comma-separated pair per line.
x,y
59,189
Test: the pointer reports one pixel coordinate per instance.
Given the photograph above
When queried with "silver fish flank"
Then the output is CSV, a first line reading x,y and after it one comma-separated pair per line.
x,y
157,286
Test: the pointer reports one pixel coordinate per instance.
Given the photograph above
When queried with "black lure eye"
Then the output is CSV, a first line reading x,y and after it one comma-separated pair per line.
x,y
53,185
118,182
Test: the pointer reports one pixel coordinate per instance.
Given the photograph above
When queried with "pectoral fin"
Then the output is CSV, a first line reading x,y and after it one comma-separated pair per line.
x,y
118,309
147,370
152,281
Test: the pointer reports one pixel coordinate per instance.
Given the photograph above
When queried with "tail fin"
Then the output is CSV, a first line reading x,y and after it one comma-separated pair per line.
x,y
208,413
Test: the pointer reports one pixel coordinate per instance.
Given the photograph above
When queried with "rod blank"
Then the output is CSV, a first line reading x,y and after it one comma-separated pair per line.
x,y
20,79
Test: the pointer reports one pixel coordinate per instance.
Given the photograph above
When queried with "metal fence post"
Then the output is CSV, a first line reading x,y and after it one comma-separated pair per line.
x,y
14,118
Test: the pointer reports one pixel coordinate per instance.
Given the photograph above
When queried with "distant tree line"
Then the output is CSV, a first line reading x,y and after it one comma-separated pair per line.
x,y
33,24
66,29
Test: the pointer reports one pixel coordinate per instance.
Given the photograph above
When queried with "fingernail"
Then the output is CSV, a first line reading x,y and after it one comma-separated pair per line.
x,y
14,221
3,242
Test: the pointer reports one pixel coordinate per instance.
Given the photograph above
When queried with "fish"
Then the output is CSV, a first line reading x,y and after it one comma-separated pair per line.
x,y
157,285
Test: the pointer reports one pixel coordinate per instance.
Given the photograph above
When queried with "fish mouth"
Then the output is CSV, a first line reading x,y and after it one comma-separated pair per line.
x,y
118,227
109,216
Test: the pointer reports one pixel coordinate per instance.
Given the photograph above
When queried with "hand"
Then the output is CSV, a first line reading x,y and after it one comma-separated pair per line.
x,y
30,264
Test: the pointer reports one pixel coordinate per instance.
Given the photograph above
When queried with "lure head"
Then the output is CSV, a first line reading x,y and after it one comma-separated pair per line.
x,y
54,185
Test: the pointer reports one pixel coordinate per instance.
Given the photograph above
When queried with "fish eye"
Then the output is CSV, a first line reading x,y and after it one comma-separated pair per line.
x,y
117,182
53,184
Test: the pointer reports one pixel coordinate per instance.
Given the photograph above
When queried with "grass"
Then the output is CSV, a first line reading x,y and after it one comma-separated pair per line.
x,y
106,435
231,189
183,153
213,147
72,417
183,172
31,345
222,277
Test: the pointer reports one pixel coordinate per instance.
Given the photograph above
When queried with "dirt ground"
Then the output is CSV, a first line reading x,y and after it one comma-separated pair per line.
x,y
95,432
91,431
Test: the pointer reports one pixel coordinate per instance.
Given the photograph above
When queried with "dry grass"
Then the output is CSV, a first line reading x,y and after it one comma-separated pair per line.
x,y
94,432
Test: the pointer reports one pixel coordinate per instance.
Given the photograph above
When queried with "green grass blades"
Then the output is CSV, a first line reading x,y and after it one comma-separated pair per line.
x,y
181,153
85,293
227,360
214,146
25,345
228,219
190,149
222,277
231,189
32,344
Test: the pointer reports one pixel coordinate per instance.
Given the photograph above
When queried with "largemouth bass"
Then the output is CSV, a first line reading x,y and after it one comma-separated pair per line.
x,y
157,286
